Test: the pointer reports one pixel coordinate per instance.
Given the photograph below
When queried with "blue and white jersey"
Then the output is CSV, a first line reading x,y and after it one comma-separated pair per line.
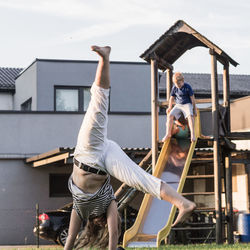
x,y
182,95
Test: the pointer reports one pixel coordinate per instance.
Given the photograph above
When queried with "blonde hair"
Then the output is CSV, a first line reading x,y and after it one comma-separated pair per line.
x,y
177,76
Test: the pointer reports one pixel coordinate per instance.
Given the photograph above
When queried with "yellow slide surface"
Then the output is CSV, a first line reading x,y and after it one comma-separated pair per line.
x,y
155,217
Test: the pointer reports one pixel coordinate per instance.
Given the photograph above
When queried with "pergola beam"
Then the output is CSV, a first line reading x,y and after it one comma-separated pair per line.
x,y
50,160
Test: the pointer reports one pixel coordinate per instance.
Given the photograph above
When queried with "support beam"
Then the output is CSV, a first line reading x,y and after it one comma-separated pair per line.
x,y
229,197
154,111
226,96
161,63
168,83
50,160
216,147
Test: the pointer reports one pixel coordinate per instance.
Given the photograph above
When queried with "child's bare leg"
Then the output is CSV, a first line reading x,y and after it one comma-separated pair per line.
x,y
185,206
191,127
169,125
102,78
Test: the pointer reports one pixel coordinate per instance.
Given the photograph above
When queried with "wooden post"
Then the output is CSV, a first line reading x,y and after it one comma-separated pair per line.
x,y
229,198
228,165
154,111
168,83
226,95
217,168
37,226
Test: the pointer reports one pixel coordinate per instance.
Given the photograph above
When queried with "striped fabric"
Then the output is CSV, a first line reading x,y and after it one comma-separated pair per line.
x,y
91,205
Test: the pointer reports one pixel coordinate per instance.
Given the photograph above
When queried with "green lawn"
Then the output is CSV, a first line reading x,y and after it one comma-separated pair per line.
x,y
199,246
169,247
205,246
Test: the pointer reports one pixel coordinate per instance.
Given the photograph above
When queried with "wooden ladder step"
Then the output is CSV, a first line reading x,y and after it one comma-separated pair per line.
x,y
192,228
204,209
198,193
199,223
200,176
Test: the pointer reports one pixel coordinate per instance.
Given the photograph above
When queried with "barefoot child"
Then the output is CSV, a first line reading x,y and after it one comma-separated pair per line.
x,y
95,159
183,95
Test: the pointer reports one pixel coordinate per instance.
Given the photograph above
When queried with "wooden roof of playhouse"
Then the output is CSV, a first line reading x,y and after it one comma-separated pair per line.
x,y
176,41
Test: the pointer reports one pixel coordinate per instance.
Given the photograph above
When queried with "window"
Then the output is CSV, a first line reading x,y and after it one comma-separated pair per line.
x,y
67,100
71,98
26,106
86,98
58,185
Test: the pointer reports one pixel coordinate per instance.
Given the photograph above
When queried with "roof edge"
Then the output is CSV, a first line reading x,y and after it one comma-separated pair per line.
x,y
182,26
76,61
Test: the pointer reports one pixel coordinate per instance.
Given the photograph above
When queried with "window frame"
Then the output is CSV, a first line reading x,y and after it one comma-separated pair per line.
x,y
28,101
80,90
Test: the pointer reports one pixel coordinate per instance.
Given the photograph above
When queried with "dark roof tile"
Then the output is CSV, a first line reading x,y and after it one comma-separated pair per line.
x,y
201,83
7,78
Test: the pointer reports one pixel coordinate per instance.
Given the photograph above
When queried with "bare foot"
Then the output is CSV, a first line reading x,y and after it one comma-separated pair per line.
x,y
102,51
193,138
184,212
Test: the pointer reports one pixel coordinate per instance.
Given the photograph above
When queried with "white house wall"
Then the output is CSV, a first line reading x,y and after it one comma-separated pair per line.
x,y
6,101
26,88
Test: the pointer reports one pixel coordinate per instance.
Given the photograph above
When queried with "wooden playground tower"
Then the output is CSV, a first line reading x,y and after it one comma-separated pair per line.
x,y
161,55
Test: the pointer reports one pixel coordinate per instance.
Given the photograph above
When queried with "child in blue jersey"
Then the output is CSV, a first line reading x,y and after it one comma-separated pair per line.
x,y
183,96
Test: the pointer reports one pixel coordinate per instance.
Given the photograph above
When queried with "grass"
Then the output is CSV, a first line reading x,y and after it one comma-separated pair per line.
x,y
169,247
205,246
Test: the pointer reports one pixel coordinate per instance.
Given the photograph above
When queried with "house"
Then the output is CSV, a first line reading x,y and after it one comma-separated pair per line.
x,y
7,87
42,108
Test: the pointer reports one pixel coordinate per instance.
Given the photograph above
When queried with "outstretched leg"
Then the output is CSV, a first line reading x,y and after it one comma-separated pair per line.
x,y
124,169
185,206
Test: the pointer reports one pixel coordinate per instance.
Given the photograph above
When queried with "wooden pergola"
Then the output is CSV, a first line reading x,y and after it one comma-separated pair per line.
x,y
161,55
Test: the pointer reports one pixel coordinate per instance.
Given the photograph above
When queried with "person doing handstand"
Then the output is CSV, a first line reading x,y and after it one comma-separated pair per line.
x,y
96,158
183,95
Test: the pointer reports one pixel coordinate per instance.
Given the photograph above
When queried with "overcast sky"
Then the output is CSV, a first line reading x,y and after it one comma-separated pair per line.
x,y
65,29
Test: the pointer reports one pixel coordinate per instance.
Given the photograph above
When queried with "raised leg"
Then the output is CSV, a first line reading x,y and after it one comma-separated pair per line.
x,y
185,206
124,169
102,78
90,138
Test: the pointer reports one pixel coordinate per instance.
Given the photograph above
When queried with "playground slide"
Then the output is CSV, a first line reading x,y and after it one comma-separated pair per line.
x,y
155,217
